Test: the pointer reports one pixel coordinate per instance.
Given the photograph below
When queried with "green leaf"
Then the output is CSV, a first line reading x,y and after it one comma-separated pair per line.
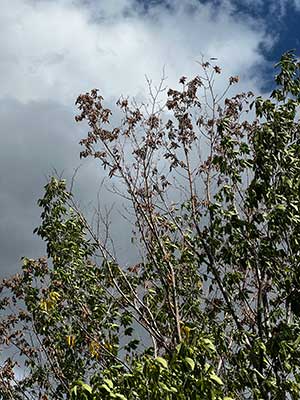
x,y
120,396
190,362
216,379
74,391
108,382
280,207
164,386
209,344
105,387
162,361
87,388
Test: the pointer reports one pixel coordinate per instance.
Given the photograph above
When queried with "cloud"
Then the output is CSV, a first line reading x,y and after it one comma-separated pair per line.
x,y
34,138
52,50
297,4
279,8
56,49
270,11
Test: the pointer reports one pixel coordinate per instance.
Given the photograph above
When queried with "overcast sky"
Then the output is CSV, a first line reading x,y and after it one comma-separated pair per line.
x,y
52,50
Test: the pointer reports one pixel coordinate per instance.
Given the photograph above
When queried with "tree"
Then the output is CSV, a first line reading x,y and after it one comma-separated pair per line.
x,y
212,187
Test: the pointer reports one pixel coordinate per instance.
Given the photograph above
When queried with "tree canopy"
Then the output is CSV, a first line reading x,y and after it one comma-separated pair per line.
x,y
211,308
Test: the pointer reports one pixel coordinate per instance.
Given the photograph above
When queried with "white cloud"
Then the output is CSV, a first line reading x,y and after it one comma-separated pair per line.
x,y
297,4
56,49
279,8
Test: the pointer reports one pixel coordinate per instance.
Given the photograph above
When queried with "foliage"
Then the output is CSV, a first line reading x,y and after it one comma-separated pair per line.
x,y
184,374
211,309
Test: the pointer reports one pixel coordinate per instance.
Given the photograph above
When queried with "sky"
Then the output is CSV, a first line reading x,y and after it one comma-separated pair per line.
x,y
52,50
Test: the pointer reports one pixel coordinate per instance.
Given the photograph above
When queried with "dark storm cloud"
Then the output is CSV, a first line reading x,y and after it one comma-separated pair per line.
x,y
35,137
